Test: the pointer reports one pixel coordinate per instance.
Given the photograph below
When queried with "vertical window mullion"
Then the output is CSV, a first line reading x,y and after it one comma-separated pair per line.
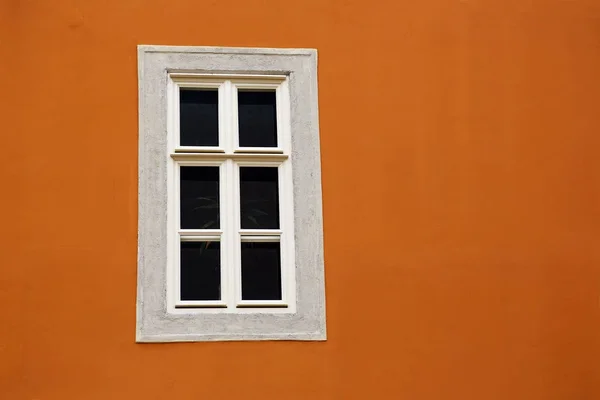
x,y
230,236
229,110
224,220
227,238
237,265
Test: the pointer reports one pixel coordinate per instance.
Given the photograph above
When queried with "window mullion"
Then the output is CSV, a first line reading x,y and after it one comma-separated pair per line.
x,y
228,113
230,237
225,237
237,265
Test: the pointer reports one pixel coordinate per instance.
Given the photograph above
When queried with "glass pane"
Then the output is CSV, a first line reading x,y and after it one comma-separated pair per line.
x,y
198,117
257,119
261,271
199,193
259,198
200,271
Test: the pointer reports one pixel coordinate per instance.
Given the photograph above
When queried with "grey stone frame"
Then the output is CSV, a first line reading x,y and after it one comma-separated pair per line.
x,y
154,323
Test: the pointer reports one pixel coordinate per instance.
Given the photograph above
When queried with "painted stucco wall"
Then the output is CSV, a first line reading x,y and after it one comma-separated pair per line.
x,y
461,180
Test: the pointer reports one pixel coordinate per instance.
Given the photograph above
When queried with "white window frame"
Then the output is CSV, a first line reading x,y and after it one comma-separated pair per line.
x,y
229,157
161,316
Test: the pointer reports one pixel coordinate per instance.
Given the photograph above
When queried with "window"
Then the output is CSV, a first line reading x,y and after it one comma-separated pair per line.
x,y
230,217
230,222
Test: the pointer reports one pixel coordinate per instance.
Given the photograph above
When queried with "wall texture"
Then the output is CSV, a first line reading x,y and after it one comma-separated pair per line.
x,y
461,182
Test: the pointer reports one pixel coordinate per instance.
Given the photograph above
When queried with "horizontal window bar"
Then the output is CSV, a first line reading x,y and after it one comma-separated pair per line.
x,y
261,239
199,238
263,303
257,85
260,232
258,150
198,84
198,149
200,232
201,304
184,76
204,156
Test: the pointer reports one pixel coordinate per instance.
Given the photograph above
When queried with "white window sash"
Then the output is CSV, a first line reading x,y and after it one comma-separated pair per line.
x,y
230,235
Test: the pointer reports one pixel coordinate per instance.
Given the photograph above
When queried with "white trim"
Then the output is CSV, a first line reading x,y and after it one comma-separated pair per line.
x,y
235,156
258,150
197,149
201,304
260,232
203,76
299,174
260,238
199,238
263,303
200,232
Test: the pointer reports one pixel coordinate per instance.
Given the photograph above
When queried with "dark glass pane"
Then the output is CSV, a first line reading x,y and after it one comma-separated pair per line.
x,y
200,271
257,119
261,271
199,191
198,117
259,197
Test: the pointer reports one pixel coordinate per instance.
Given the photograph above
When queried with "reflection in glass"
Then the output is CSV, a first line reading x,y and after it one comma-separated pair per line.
x,y
199,196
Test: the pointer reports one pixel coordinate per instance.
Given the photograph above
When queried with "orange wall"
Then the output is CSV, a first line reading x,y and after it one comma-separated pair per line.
x,y
463,138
